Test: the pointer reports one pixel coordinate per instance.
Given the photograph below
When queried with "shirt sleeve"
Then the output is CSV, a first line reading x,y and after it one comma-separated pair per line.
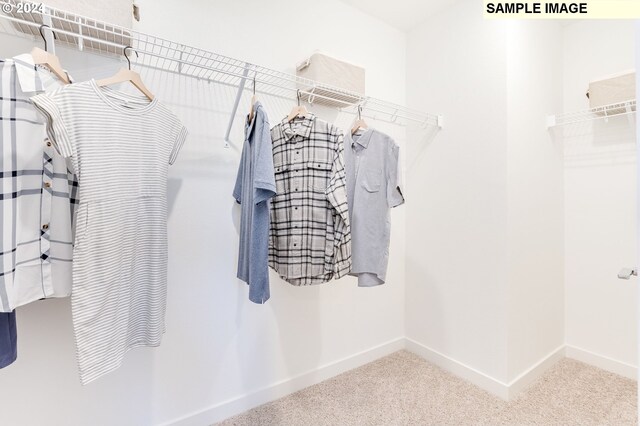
x,y
177,144
264,183
237,188
337,196
395,196
47,104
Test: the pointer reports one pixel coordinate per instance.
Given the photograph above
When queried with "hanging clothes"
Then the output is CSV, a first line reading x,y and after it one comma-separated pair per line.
x,y
255,185
37,201
39,194
121,146
373,187
309,238
8,339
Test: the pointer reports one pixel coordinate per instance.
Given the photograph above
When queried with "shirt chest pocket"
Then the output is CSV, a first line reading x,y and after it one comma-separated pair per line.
x,y
319,175
372,180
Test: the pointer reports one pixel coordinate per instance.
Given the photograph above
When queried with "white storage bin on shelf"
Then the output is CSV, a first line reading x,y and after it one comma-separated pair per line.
x,y
612,90
333,72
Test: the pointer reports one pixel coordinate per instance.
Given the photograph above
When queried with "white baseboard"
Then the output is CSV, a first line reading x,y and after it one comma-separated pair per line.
x,y
494,386
278,390
529,376
502,390
600,361
459,369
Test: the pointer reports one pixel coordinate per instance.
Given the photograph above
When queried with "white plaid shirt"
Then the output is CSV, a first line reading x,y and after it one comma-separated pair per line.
x,y
37,196
309,238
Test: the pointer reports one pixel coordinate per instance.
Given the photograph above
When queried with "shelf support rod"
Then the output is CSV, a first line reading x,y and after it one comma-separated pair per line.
x,y
80,33
181,47
243,79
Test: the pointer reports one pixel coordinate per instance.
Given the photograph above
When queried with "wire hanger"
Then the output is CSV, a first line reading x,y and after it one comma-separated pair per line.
x,y
360,123
48,59
127,75
298,110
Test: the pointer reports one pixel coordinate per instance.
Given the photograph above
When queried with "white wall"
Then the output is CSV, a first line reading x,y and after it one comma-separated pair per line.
x,y
456,244
514,247
600,204
485,254
535,218
218,346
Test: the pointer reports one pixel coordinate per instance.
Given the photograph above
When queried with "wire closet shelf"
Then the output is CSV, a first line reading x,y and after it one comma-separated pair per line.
x,y
605,112
169,56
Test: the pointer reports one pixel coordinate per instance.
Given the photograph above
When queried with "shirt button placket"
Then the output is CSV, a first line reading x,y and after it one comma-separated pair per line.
x,y
296,216
45,214
46,163
298,183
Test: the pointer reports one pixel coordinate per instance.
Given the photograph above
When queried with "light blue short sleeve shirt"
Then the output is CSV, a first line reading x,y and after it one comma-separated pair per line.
x,y
255,185
372,167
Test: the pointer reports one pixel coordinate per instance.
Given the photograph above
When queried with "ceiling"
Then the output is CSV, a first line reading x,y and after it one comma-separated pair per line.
x,y
402,14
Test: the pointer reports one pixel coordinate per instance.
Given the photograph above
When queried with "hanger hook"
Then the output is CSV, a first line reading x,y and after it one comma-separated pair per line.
x,y
298,96
124,51
254,84
359,111
55,37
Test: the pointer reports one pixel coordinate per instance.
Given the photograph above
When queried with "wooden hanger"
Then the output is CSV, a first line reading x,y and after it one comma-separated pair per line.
x,y
49,60
124,75
360,123
298,110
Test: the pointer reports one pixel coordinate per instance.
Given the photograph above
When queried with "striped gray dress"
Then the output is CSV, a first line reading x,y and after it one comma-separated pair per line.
x,y
121,146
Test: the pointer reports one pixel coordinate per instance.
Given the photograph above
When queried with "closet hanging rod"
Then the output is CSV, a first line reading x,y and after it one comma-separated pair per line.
x,y
169,56
369,112
605,112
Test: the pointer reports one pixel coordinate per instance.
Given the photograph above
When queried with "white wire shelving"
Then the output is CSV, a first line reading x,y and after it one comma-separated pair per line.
x,y
156,53
605,112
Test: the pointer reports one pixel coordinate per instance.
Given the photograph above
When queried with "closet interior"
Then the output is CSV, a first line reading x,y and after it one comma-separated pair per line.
x,y
512,213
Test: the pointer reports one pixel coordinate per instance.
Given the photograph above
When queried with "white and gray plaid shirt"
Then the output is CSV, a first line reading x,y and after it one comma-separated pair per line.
x,y
38,192
309,238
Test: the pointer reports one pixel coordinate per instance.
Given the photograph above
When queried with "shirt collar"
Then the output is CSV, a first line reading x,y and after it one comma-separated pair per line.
x,y
364,139
27,73
302,129
250,124
28,76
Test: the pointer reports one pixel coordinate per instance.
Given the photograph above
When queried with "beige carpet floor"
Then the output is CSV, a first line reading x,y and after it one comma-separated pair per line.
x,y
403,389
